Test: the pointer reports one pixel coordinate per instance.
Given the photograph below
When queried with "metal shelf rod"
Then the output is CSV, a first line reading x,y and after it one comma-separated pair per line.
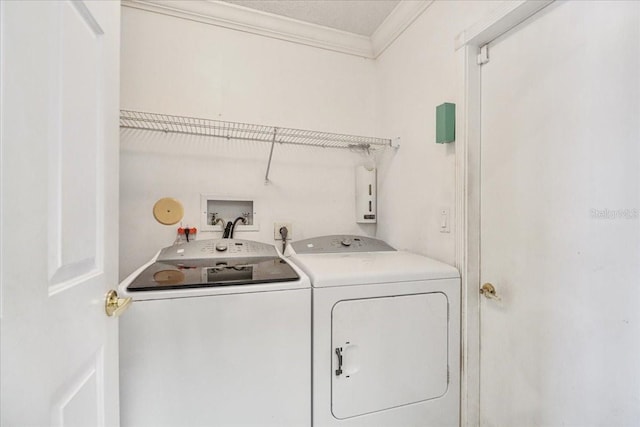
x,y
273,143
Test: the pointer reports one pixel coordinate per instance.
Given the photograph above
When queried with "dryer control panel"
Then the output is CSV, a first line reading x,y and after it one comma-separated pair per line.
x,y
341,243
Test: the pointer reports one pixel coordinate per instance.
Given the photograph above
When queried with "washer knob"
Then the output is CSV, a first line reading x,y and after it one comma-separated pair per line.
x,y
346,242
221,247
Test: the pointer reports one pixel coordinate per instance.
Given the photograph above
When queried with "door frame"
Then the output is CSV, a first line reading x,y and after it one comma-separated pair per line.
x,y
467,188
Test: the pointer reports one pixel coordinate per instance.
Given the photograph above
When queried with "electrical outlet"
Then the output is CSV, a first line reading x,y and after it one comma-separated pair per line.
x,y
276,230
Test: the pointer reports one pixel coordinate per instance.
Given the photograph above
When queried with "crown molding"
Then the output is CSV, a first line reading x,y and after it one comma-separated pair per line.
x,y
253,21
265,24
394,25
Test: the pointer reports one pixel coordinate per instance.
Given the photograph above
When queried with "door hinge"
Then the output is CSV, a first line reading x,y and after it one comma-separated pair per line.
x,y
483,56
448,375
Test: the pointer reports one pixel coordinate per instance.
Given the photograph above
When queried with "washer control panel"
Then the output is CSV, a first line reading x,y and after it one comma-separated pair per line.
x,y
342,243
217,248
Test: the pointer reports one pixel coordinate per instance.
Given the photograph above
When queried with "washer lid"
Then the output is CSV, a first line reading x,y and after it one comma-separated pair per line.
x,y
213,267
208,272
370,268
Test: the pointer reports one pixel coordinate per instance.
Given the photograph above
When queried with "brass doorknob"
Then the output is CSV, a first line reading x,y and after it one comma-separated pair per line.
x,y
489,291
115,306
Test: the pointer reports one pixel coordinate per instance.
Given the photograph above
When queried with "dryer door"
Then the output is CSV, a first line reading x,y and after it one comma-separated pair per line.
x,y
388,352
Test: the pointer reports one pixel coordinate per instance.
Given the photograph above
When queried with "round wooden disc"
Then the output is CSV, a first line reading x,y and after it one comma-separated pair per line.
x,y
168,211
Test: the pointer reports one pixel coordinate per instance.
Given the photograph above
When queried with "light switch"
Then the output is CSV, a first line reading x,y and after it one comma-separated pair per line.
x,y
444,221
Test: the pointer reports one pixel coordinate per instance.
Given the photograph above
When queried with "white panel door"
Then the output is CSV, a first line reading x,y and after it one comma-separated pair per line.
x,y
389,352
560,227
59,157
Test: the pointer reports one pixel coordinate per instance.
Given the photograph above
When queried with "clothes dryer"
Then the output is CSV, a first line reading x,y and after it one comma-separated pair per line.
x,y
386,334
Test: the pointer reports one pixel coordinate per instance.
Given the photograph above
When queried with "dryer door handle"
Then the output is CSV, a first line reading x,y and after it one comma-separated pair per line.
x,y
339,354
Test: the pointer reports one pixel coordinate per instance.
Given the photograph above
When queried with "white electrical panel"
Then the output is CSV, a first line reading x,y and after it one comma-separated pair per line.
x,y
366,195
217,211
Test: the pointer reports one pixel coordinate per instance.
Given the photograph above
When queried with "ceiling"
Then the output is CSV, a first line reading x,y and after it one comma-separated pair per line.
x,y
360,17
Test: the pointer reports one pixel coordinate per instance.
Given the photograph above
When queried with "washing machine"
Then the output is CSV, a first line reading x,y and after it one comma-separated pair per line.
x,y
386,334
218,334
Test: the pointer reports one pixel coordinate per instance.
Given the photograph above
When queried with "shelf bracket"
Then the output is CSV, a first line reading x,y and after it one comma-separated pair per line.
x,y
395,143
273,143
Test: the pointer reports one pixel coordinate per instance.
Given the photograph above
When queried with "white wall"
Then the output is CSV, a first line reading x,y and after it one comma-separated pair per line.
x,y
181,67
418,72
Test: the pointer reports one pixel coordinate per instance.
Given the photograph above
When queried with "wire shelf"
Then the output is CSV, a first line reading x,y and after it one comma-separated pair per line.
x,y
245,131
248,132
